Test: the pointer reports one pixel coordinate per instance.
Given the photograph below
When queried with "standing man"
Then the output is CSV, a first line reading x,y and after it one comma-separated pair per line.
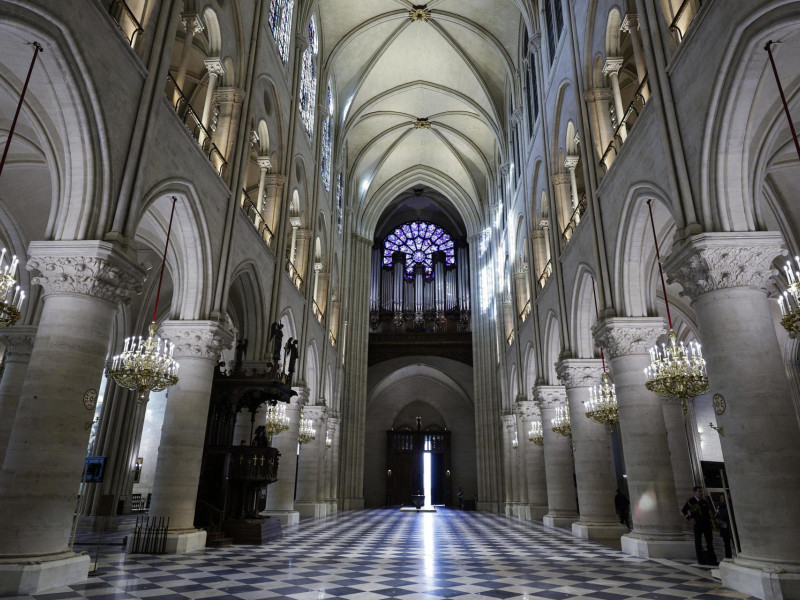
x,y
622,506
697,511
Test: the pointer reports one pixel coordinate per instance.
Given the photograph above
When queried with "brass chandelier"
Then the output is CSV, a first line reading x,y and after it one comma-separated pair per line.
x,y
11,297
789,301
307,432
147,365
677,370
536,435
561,423
276,421
602,406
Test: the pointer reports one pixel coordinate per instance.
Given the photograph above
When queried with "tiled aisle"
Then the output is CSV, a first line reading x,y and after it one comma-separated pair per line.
x,y
385,553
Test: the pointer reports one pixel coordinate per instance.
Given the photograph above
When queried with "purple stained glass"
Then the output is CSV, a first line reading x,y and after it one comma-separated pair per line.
x,y
418,240
308,81
280,23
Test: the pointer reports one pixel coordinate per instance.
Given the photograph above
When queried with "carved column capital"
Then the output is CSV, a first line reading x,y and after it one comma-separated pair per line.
x,y
622,336
535,43
192,23
570,162
528,410
18,341
265,164
197,339
317,414
712,261
550,396
509,422
302,41
95,268
214,66
631,21
579,372
612,65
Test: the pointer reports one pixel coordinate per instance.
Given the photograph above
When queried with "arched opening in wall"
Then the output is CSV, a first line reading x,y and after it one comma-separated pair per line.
x,y
259,195
321,275
420,268
295,247
577,186
540,237
417,406
521,272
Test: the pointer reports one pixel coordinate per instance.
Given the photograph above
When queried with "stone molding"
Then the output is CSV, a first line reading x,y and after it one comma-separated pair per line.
x,y
18,341
550,396
302,41
274,179
317,414
527,410
623,336
197,339
612,65
228,95
713,261
97,269
560,179
598,95
579,372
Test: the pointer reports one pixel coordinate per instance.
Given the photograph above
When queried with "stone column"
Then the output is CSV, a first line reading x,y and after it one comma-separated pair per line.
x,y
594,460
192,24
600,120
657,524
725,274
611,69
197,348
83,283
682,472
630,24
215,69
562,202
523,508
264,165
332,465
308,502
18,342
280,495
570,163
510,465
535,477
229,101
272,200
562,508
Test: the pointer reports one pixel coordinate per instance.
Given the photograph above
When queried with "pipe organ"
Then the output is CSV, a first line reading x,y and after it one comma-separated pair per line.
x,y
420,281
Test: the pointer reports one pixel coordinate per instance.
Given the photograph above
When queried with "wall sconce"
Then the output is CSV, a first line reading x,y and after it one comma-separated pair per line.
x,y
137,470
388,472
717,429
447,473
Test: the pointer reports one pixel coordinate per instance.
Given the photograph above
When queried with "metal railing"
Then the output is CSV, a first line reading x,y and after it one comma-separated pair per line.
x,y
574,220
332,339
510,338
526,311
637,104
126,21
317,311
195,125
684,17
546,272
256,218
294,275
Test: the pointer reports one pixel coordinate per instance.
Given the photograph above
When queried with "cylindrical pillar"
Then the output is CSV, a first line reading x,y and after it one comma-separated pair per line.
x,y
725,275
682,472
280,495
533,459
18,342
308,502
197,348
192,25
657,525
611,69
594,460
215,69
562,508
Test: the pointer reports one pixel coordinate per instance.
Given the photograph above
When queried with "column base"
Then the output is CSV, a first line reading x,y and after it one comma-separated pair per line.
x,y
184,541
492,507
537,512
286,517
510,509
353,504
554,521
311,510
768,581
522,512
598,531
663,547
332,507
29,577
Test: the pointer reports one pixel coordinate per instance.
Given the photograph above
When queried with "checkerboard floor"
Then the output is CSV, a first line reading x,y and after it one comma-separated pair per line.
x,y
388,554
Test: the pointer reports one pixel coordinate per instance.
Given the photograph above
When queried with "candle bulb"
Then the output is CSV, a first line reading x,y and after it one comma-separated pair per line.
x,y
21,298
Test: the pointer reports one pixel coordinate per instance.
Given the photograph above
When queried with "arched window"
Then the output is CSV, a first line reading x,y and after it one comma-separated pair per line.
x,y
327,143
280,22
339,201
418,240
308,80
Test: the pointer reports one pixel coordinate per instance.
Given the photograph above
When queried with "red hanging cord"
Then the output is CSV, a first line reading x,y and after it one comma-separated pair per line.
x,y
37,47
658,257
597,316
164,259
768,48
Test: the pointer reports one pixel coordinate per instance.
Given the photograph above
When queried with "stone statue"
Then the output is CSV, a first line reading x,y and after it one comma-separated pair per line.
x,y
276,337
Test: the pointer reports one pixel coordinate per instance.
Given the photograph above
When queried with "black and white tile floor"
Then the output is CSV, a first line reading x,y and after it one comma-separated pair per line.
x,y
388,554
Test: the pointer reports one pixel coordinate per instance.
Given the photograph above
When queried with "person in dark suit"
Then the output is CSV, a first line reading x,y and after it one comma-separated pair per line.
x,y
724,520
622,506
697,511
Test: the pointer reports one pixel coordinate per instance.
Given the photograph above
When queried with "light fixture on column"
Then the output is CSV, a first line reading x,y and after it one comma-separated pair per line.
x,y
307,432
328,439
148,365
789,301
602,406
515,441
676,370
276,422
11,297
561,423
536,435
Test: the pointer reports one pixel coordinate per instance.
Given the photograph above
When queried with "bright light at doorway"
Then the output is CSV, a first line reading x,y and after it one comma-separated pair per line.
x,y
426,478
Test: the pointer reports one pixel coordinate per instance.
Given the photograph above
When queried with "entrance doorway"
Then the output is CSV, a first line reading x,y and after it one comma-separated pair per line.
x,y
418,461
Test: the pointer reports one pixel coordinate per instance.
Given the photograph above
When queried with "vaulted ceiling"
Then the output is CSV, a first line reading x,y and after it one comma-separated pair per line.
x,y
421,94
